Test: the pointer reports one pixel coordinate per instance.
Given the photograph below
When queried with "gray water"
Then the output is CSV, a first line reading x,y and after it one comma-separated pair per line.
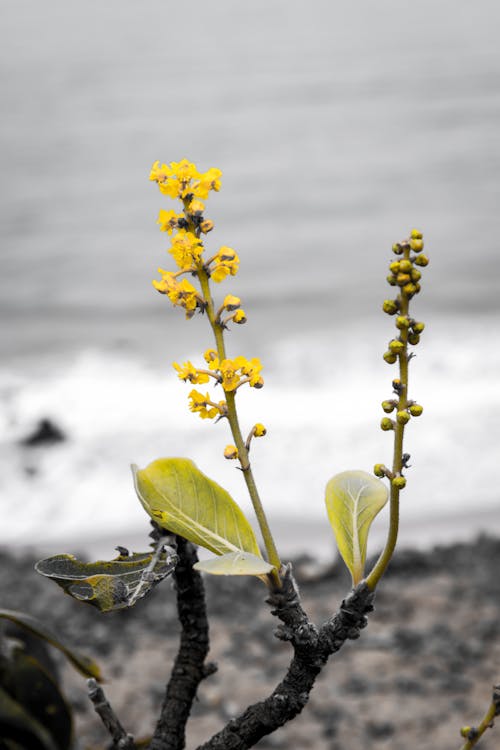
x,y
338,127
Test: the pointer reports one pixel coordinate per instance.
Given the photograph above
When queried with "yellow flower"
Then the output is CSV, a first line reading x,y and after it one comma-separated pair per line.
x,y
184,170
229,372
230,452
189,372
172,188
252,370
188,298
168,283
168,220
212,359
186,249
226,263
207,181
159,174
182,294
201,404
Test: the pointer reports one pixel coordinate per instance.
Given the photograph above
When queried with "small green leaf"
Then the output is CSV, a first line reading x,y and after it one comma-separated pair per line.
x,y
108,585
87,667
181,499
235,564
353,499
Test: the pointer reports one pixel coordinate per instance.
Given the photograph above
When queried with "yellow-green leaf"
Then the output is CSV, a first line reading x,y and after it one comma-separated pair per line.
x,y
235,564
181,499
353,499
108,584
87,667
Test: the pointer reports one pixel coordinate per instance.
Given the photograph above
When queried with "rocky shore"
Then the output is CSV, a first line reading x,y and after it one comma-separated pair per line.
x,y
423,668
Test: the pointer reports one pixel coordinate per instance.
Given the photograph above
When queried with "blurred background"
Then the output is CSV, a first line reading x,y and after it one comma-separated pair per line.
x,y
338,127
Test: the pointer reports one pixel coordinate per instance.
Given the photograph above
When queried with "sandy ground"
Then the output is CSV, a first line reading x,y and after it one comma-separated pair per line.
x,y
424,666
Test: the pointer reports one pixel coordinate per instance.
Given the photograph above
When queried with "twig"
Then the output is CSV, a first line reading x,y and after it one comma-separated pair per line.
x,y
474,734
312,648
121,739
189,668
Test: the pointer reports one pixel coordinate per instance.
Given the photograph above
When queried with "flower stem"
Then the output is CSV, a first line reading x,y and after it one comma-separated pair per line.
x,y
232,417
397,460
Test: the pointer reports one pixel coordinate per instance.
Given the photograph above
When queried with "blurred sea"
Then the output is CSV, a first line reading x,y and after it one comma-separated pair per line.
x,y
338,127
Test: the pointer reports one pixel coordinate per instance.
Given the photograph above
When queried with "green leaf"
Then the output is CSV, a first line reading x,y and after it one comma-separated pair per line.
x,y
87,667
181,499
108,585
235,564
353,499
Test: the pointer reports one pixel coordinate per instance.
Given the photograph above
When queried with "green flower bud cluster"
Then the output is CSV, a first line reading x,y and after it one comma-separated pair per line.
x,y
403,273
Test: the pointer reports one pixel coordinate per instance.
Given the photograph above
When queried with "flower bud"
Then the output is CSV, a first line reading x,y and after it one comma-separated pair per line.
x,y
416,235
397,249
421,260
206,226
379,470
390,306
394,267
415,410
391,280
396,346
196,207
386,424
390,358
417,245
405,266
402,417
240,317
388,406
210,356
259,430
417,288
415,274
410,289
413,338
259,384
231,302
418,327
465,732
230,452
402,279
402,322
398,482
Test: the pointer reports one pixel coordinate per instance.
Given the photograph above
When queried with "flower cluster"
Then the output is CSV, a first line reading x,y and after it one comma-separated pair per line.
x,y
230,373
182,181
186,229
405,274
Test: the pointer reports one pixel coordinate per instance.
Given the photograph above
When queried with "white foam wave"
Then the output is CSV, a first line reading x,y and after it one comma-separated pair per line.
x,y
321,409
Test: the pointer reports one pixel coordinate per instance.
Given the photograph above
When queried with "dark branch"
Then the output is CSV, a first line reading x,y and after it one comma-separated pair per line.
x,y
121,739
312,648
189,668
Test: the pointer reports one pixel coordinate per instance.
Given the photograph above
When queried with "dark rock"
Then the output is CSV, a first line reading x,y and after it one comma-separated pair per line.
x,y
45,433
379,730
